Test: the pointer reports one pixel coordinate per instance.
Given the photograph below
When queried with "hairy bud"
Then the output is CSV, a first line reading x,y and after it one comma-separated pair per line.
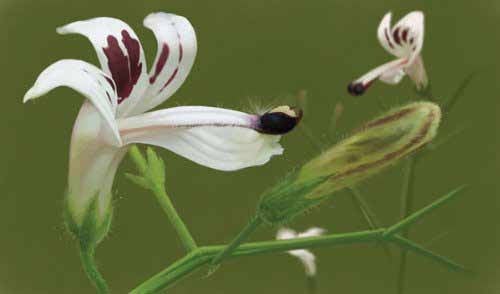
x,y
378,144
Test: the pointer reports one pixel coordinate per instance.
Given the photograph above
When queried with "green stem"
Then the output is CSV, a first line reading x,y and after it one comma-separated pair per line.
x,y
369,216
414,217
164,200
311,284
408,245
407,196
252,225
88,263
203,255
174,218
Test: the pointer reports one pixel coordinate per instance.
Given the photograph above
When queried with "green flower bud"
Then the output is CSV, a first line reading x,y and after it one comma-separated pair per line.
x,y
378,144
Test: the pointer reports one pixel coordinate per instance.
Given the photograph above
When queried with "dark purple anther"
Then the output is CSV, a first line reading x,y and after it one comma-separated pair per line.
x,y
356,89
280,120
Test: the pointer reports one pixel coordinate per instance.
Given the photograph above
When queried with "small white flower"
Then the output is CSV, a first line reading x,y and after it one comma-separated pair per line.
x,y
118,94
404,40
305,256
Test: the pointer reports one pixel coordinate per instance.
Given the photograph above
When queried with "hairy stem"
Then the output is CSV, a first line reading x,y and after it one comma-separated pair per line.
x,y
407,196
182,231
252,225
163,199
87,255
204,255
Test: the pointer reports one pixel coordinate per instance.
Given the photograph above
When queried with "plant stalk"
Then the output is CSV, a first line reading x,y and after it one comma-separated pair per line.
x,y
180,227
252,225
87,254
407,197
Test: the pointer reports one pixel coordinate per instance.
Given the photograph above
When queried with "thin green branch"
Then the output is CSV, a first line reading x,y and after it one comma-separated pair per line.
x,y
407,244
252,225
174,218
459,92
152,178
406,208
414,217
368,214
203,255
87,255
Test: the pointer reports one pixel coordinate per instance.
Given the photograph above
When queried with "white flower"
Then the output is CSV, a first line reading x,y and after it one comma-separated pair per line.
x,y
119,93
404,41
305,256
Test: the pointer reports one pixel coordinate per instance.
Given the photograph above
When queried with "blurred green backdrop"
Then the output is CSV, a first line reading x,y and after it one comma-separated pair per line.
x,y
266,51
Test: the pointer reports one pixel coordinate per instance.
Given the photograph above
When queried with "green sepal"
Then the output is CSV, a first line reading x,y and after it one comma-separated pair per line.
x,y
92,230
283,202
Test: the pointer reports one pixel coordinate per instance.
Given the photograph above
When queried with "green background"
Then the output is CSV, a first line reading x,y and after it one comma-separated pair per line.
x,y
260,51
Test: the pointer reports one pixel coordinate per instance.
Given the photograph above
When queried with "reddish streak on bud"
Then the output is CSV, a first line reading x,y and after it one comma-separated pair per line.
x,y
390,118
165,52
415,141
125,69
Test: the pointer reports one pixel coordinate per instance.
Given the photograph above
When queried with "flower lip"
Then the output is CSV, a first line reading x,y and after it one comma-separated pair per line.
x,y
356,89
279,120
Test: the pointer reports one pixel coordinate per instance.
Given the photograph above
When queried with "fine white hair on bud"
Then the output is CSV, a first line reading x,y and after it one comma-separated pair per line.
x,y
375,146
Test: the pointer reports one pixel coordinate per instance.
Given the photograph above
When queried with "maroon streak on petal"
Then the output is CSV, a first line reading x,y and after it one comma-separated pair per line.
x,y
172,77
125,69
165,52
110,81
174,74
109,97
181,52
388,39
134,53
395,35
405,34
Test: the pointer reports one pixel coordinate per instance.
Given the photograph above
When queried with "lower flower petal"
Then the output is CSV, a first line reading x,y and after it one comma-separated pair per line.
x,y
387,72
214,137
416,72
92,166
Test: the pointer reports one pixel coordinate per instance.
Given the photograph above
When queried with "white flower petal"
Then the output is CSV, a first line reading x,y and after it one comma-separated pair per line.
x,y
312,232
285,234
392,77
308,260
86,79
214,137
92,165
384,34
405,38
305,256
409,33
120,54
416,71
175,56
386,72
